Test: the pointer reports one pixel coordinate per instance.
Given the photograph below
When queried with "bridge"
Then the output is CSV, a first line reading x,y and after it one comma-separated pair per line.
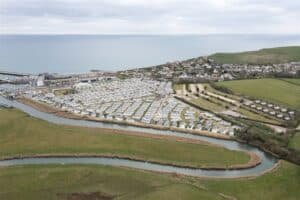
x,y
13,73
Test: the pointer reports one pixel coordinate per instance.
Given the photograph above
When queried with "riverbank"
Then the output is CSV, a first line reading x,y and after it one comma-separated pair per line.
x,y
24,136
253,162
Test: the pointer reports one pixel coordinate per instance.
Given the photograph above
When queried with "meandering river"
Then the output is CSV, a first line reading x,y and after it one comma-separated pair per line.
x,y
267,161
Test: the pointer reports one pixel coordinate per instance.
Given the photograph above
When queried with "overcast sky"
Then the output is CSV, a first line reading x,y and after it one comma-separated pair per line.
x,y
149,16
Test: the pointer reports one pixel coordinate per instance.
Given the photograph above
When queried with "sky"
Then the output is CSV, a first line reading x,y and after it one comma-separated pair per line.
x,y
149,17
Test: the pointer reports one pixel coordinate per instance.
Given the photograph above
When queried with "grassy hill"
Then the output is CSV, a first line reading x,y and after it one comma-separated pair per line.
x,y
263,56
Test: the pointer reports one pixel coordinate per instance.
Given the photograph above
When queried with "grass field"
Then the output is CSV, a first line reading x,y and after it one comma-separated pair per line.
x,y
274,90
209,88
59,182
295,141
62,92
23,135
295,81
203,103
259,117
177,87
263,56
216,105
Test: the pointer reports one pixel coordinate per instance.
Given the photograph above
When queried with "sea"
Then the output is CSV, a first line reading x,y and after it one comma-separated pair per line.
x,y
67,54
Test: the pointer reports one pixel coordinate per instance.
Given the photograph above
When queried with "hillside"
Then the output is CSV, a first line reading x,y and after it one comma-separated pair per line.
x,y
263,56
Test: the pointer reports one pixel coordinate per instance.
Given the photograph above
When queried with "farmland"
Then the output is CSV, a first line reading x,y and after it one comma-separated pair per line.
x,y
274,90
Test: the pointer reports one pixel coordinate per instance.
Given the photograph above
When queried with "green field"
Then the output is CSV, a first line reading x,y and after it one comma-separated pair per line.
x,y
23,135
216,105
203,103
295,81
65,91
295,141
178,87
263,56
59,182
213,90
273,90
259,117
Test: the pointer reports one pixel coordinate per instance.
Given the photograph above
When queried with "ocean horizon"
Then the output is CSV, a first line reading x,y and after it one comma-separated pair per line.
x,y
81,53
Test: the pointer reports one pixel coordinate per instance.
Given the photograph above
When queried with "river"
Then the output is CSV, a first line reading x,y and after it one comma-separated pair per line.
x,y
267,163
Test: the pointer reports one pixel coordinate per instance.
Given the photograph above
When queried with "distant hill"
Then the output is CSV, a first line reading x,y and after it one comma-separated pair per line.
x,y
263,56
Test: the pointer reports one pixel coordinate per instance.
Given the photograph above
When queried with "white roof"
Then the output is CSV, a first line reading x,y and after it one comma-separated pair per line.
x,y
82,85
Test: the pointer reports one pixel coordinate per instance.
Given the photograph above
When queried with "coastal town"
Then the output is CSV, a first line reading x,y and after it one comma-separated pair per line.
x,y
146,96
203,69
134,101
149,100
255,105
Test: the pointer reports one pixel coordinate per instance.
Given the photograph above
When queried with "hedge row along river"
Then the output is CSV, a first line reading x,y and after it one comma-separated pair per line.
x,y
267,161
